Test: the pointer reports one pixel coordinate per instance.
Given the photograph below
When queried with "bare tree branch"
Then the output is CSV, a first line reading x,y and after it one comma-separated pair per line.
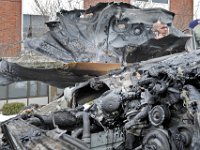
x,y
39,6
197,10
50,7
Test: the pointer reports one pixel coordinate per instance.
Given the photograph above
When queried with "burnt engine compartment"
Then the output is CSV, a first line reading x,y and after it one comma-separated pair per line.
x,y
148,105
154,104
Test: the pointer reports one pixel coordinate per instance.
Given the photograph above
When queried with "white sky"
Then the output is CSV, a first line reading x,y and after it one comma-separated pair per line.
x,y
196,9
28,7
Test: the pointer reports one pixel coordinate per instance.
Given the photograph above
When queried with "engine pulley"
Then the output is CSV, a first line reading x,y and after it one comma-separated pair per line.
x,y
158,115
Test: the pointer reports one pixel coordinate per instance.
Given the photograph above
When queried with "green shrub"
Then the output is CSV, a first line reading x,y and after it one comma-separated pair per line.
x,y
12,108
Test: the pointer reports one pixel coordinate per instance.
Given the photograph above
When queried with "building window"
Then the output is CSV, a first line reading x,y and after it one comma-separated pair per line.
x,y
23,90
37,89
155,1
143,0
3,93
33,89
160,1
42,89
17,90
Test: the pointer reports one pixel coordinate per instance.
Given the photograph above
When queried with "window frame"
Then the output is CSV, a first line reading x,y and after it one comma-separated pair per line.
x,y
27,91
151,1
160,2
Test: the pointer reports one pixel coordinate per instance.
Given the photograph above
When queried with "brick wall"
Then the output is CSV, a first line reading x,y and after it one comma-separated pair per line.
x,y
10,27
88,3
183,10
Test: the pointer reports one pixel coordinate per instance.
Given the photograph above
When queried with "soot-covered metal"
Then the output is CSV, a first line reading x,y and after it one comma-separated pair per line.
x,y
107,32
148,105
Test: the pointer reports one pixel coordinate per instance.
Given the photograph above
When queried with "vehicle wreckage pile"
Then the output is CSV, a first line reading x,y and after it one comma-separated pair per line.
x,y
148,105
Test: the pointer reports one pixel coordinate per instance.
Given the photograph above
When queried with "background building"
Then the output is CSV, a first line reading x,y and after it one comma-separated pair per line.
x,y
10,27
29,92
34,25
14,28
183,10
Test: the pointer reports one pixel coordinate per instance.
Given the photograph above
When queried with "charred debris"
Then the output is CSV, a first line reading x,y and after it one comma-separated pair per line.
x,y
150,104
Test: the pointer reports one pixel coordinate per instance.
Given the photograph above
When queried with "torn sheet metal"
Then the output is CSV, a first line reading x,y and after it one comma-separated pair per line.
x,y
24,136
95,69
105,32
61,75
150,105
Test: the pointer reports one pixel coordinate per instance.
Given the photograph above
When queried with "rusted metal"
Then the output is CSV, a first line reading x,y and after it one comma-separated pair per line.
x,y
95,69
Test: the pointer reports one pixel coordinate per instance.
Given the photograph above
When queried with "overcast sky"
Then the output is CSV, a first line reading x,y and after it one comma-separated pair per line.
x,y
196,8
28,7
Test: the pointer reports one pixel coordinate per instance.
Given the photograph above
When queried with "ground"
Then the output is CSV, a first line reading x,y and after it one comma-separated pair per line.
x,y
4,118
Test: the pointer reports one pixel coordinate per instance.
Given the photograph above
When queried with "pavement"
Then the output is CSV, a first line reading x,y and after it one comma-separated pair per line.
x,y
4,118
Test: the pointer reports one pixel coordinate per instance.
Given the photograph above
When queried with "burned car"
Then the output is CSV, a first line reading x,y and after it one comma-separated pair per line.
x,y
151,103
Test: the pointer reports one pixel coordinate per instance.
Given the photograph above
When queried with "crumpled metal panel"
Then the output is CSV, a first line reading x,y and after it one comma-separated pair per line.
x,y
153,104
24,136
105,32
95,69
61,76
